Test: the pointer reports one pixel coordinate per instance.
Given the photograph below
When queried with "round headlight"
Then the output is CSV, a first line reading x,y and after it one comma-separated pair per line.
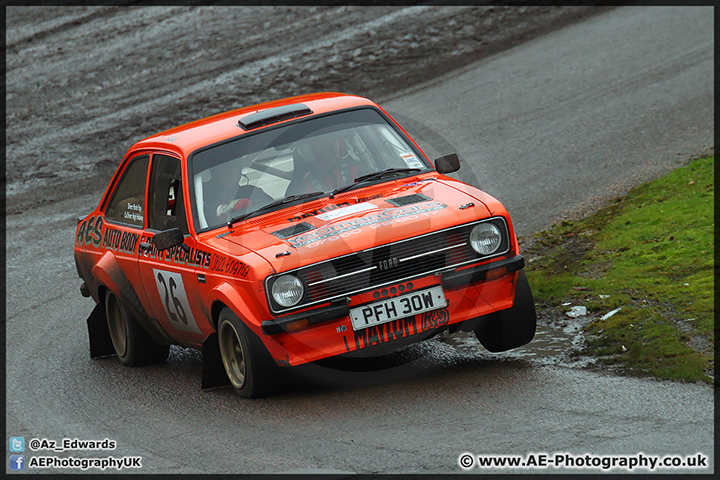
x,y
485,238
288,290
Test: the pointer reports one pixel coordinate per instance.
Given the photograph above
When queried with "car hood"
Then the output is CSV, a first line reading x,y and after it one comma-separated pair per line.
x,y
357,220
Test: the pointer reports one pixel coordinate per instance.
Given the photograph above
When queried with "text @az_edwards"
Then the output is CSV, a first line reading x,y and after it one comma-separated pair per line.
x,y
70,444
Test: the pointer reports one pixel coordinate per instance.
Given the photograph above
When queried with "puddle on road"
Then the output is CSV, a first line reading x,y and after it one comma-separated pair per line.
x,y
550,345
547,342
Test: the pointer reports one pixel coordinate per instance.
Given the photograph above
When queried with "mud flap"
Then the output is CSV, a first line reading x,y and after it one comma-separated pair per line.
x,y
100,342
213,371
513,327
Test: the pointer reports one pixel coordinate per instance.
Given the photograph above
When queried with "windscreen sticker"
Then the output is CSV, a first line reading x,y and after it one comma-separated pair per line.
x,y
174,299
134,213
354,226
412,161
345,211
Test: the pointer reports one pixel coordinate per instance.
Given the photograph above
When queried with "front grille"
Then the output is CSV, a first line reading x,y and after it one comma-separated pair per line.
x,y
387,264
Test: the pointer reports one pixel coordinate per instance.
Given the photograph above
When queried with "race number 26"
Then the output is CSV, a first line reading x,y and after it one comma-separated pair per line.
x,y
174,299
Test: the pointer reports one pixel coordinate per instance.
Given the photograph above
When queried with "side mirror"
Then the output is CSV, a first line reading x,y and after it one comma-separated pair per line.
x,y
448,163
169,239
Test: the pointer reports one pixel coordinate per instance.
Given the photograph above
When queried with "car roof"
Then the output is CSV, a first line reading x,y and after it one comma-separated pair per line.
x,y
191,136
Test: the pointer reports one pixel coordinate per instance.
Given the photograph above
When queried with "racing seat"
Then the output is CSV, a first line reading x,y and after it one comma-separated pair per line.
x,y
303,158
168,208
256,196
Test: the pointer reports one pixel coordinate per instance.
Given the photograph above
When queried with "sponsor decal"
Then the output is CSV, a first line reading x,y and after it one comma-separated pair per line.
x,y
434,319
367,199
352,227
313,213
386,332
229,265
193,258
120,241
90,232
345,211
401,328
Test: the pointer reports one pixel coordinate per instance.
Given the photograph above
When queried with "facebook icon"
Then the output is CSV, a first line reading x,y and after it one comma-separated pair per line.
x,y
17,462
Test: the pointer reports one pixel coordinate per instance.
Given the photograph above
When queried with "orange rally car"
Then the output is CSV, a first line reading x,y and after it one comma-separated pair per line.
x,y
292,231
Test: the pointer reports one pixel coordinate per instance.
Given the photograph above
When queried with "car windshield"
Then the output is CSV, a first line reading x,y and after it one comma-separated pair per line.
x,y
317,155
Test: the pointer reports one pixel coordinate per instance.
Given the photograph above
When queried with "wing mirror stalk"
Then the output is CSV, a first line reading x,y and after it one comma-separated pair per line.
x,y
167,239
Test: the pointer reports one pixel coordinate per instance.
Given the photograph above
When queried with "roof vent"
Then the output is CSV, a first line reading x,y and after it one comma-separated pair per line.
x,y
273,115
408,200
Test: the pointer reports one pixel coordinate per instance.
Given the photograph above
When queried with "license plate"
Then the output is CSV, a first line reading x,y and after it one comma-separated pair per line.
x,y
398,307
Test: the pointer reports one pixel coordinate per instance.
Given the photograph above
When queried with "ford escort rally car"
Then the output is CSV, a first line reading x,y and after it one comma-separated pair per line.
x,y
289,232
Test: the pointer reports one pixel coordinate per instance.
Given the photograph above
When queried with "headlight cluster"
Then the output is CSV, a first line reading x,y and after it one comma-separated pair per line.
x,y
288,290
485,238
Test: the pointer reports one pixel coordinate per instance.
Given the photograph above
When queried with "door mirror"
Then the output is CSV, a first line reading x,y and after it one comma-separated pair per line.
x,y
168,239
448,163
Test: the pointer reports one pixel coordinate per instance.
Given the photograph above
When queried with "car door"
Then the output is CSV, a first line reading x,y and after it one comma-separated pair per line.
x,y
124,218
169,276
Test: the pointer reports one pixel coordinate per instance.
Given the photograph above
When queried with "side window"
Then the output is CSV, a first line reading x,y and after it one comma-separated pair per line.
x,y
127,203
167,208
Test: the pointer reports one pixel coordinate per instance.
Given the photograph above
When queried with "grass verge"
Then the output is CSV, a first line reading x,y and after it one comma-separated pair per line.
x,y
650,255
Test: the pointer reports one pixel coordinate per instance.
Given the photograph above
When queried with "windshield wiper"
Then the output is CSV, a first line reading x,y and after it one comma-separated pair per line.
x,y
271,205
373,176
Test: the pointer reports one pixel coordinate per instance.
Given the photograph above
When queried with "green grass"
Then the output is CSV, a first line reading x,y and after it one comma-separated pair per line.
x,y
651,253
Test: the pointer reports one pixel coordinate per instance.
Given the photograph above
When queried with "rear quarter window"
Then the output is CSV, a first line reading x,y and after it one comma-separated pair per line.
x,y
127,203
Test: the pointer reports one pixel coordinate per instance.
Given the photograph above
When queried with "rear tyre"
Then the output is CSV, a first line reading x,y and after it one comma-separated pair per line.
x,y
248,364
512,327
132,344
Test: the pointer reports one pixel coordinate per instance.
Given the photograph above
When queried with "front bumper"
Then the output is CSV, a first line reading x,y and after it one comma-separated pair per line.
x,y
316,315
327,331
459,278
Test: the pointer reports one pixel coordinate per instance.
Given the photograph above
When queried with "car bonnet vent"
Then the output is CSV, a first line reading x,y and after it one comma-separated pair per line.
x,y
408,200
293,230
273,115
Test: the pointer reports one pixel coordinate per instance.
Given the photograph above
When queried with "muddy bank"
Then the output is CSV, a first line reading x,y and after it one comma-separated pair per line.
x,y
84,83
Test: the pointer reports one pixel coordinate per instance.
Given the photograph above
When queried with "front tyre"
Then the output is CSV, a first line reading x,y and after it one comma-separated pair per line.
x,y
132,344
512,327
247,362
